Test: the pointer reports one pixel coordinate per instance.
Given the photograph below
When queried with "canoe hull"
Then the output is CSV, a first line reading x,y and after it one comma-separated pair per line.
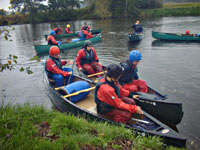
x,y
45,48
135,37
164,109
65,105
174,37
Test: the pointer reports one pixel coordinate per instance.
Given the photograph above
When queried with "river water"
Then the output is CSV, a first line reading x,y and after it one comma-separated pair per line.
x,y
169,67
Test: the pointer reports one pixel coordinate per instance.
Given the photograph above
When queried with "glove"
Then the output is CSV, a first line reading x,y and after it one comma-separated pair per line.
x,y
59,42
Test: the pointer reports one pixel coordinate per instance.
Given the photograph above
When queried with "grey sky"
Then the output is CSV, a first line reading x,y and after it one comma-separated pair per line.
x,y
4,4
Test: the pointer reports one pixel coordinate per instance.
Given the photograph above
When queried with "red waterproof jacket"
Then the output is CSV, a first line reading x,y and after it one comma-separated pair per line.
x,y
82,57
51,40
53,68
58,30
68,30
107,94
85,27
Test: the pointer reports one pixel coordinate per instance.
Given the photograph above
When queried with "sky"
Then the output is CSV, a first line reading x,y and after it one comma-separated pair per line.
x,y
4,4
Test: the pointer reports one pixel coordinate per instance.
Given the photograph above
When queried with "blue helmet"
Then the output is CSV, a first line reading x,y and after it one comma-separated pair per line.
x,y
52,32
135,55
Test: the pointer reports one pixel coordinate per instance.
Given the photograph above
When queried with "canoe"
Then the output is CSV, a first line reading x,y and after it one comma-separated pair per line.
x,y
135,37
159,106
175,37
45,48
94,31
145,125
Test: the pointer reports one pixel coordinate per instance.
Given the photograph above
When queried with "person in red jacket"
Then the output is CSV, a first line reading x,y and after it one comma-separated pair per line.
x,y
51,40
85,27
68,30
87,60
85,34
112,100
58,30
53,67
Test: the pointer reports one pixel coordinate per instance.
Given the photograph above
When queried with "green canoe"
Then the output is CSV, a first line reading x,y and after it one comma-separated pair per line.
x,y
135,37
45,48
95,31
175,37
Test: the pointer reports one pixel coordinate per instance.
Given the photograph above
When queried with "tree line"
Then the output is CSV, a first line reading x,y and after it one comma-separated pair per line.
x,y
34,11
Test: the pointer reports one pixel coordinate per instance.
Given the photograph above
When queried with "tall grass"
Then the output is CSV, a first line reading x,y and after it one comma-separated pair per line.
x,y
28,128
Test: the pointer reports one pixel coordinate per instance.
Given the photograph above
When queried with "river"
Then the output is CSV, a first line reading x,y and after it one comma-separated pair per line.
x,y
169,67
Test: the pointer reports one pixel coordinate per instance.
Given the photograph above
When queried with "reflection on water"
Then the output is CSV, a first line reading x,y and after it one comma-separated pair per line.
x,y
172,68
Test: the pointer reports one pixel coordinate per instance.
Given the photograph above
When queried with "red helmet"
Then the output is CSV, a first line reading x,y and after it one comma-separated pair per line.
x,y
187,32
54,50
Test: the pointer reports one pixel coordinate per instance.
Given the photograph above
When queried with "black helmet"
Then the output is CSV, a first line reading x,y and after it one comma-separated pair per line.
x,y
114,70
88,43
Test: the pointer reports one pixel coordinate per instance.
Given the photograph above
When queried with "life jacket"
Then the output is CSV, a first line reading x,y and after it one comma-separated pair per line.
x,y
138,28
82,35
57,61
58,30
102,107
89,57
129,74
50,41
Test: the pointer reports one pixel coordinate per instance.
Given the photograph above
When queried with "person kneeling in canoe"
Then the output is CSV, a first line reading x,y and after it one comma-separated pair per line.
x,y
58,30
113,101
137,27
68,30
51,40
87,59
130,79
85,34
53,67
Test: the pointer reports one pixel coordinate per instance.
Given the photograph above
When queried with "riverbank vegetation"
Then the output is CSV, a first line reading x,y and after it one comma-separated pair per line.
x,y
26,11
173,9
37,128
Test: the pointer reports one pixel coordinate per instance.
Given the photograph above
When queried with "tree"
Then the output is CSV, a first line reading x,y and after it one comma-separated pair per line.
x,y
2,12
102,8
32,7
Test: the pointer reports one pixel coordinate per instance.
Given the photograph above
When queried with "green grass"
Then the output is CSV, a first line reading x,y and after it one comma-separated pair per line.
x,y
174,9
180,5
28,128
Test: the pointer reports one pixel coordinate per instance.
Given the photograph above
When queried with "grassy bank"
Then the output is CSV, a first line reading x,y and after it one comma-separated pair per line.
x,y
174,9
40,129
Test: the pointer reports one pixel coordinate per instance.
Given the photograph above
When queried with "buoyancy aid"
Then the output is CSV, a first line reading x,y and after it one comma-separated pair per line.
x,y
57,62
89,56
102,107
129,74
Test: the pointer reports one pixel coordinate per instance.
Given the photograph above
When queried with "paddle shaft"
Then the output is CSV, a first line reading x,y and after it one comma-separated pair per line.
x,y
142,121
91,75
78,92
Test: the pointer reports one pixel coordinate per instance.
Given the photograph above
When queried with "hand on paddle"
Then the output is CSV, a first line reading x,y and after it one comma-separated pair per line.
x,y
69,62
139,110
136,97
80,68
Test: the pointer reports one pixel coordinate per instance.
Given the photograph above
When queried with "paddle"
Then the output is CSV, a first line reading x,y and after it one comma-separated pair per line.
x,y
142,121
78,92
91,75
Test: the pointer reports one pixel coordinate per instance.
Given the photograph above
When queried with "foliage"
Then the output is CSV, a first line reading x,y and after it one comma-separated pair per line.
x,y
176,10
102,9
26,127
2,12
10,63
